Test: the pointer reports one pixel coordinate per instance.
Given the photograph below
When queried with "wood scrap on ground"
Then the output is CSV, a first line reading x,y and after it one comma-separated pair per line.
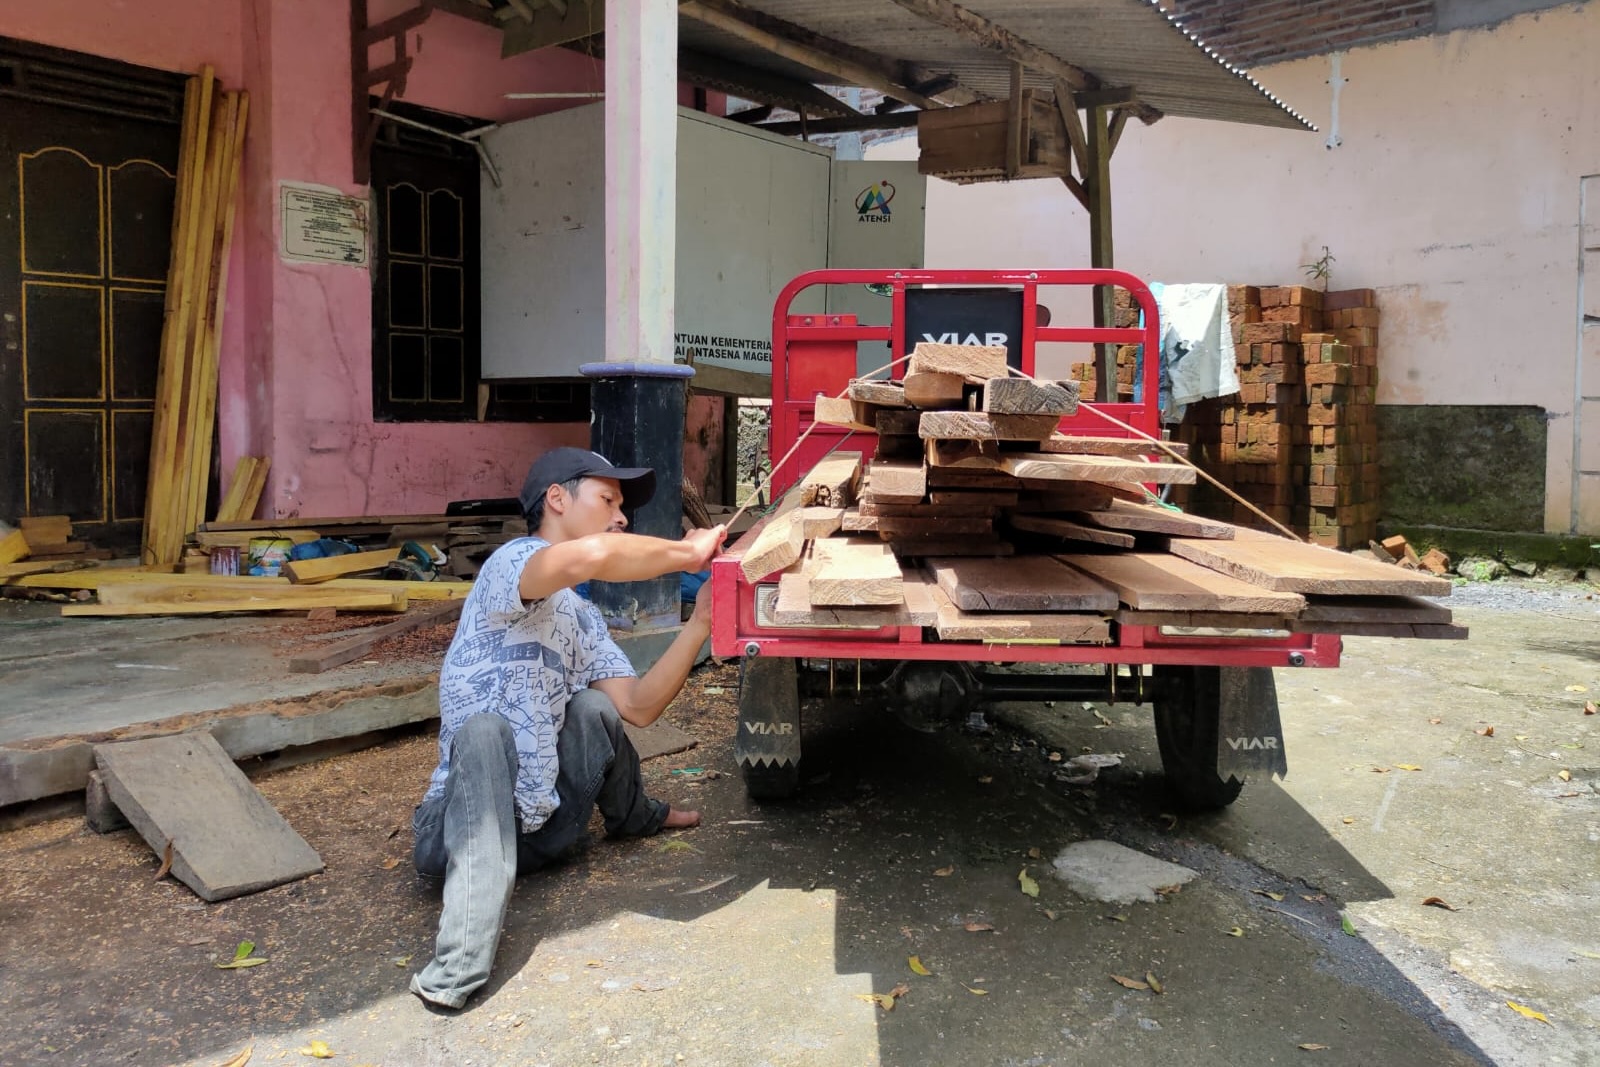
x,y
354,648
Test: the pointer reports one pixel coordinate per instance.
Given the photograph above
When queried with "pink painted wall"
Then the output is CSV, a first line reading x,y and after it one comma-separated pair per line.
x,y
295,378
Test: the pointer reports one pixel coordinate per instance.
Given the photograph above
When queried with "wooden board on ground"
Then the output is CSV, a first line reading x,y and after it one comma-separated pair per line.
x,y
47,566
897,482
1024,583
98,578
356,647
1291,566
980,362
1426,631
978,426
832,411
856,572
13,546
1056,466
41,530
182,792
311,571
120,601
1126,447
1019,396
793,606
658,739
1059,627
1154,581
883,394
934,390
1069,530
1149,518
1383,609
832,482
778,543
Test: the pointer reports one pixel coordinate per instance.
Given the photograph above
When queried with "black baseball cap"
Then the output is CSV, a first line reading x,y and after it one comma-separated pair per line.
x,y
564,464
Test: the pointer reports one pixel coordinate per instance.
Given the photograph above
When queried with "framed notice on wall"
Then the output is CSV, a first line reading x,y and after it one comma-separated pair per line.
x,y
322,225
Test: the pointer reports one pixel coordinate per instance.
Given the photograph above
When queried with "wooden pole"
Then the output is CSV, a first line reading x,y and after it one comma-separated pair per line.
x,y
1097,183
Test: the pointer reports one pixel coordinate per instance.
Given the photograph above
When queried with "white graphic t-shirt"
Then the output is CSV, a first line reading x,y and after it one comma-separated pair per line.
x,y
523,662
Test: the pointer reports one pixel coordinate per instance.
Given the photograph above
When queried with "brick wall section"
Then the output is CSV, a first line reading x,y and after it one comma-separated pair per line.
x,y
1251,34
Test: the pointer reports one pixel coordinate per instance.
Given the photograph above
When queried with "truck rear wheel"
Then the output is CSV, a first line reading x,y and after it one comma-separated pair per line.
x,y
1188,709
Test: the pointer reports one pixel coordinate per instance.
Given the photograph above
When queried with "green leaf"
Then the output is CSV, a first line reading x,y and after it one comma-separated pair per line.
x,y
244,949
239,965
1028,885
1348,926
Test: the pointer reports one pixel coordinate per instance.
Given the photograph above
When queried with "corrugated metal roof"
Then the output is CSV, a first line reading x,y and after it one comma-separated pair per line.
x,y
1123,43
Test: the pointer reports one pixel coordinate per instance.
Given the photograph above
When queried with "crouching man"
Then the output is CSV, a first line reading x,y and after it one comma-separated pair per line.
x,y
532,697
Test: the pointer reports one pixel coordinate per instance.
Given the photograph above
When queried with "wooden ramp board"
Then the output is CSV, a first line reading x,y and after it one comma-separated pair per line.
x,y
1290,566
1149,518
1024,583
1064,628
1407,610
121,601
183,790
793,606
1050,466
1153,581
778,543
1068,530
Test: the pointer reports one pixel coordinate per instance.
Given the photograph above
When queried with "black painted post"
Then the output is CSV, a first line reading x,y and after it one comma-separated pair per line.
x,y
637,412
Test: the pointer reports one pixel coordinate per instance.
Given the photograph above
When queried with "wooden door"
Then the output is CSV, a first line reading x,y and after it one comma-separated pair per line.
x,y
87,186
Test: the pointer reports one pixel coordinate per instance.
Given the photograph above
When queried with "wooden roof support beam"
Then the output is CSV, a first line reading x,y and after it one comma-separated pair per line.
x,y
730,18
894,120
466,9
751,83
994,37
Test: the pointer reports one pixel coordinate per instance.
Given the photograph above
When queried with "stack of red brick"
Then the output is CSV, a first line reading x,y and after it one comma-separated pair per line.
x,y
1300,440
1127,317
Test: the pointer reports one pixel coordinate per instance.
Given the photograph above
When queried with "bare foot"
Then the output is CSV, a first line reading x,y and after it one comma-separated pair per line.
x,y
680,820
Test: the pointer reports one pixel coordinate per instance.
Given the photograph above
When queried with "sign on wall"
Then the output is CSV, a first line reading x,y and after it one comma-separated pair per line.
x,y
322,225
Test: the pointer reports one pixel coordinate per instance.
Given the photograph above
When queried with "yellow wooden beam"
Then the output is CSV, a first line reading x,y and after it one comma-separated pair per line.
x,y
306,571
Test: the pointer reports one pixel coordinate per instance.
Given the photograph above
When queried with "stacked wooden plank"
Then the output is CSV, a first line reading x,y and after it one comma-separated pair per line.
x,y
186,385
975,518
244,491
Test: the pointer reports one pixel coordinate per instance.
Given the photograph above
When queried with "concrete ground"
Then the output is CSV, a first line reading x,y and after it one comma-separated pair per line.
x,y
756,938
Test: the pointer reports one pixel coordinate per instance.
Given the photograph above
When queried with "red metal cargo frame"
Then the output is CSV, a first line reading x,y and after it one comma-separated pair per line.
x,y
814,354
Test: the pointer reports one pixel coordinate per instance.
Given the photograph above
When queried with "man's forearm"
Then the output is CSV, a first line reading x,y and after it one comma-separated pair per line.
x,y
661,683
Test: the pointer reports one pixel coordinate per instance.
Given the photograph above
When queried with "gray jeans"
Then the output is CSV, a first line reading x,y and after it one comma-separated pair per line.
x,y
470,835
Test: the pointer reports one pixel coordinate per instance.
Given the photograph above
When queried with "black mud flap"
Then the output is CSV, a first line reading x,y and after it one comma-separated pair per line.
x,y
1249,731
769,714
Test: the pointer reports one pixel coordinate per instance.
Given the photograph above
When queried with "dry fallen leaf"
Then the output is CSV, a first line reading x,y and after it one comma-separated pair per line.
x,y
985,779
1051,915
1313,1047
1435,722
1564,775
1487,731
979,928
1034,854
1528,1013
390,864
975,992
900,989
1237,931
882,1000
1267,893
1577,689
1589,707
1519,737
1408,767
318,1050
1348,821
1131,983
1027,884
1437,902
1380,770
1153,982
945,872
1171,820
915,963
166,862
1055,757
1116,918
241,1059
1168,890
